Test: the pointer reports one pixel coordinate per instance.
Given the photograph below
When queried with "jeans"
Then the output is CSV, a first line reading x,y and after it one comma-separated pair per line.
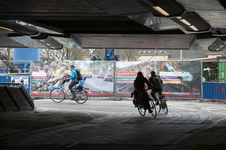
x,y
154,91
71,86
55,86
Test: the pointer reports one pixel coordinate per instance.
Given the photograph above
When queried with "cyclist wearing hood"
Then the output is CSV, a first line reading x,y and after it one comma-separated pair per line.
x,y
139,84
75,81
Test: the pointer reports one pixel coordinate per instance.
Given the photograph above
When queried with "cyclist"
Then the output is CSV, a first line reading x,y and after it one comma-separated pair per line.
x,y
139,84
156,86
74,79
48,76
55,78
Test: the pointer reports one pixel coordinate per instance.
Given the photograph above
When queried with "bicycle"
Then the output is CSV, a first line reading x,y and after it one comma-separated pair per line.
x,y
58,94
162,104
142,108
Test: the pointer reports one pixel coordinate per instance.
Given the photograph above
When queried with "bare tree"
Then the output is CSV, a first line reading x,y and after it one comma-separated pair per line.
x,y
78,54
8,52
132,54
99,53
63,54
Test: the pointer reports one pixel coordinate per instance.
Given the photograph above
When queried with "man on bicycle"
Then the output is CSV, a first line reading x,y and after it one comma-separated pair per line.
x,y
157,84
139,84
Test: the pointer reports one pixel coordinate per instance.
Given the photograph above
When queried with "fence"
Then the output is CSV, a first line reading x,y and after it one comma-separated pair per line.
x,y
214,74
182,79
215,91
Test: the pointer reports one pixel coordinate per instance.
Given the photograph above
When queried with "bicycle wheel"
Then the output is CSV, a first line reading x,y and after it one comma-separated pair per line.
x,y
158,107
141,110
57,95
152,107
81,97
164,107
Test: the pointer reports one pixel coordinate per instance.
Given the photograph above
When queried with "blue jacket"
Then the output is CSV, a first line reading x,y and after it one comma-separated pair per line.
x,y
74,75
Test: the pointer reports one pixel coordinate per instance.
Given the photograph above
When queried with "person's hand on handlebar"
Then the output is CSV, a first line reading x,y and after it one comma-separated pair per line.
x,y
65,81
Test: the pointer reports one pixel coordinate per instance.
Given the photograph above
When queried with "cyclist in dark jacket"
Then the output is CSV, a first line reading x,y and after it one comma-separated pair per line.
x,y
154,89
139,84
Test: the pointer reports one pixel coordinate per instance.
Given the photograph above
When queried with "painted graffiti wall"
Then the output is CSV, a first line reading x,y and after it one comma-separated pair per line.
x,y
47,75
180,79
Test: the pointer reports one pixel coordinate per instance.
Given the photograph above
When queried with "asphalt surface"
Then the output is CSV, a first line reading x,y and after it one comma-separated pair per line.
x,y
107,124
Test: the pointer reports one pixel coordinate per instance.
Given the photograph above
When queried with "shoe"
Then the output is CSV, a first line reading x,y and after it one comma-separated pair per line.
x,y
157,103
73,98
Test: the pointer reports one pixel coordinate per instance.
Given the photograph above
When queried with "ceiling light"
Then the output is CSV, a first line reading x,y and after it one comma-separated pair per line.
x,y
221,46
42,41
163,7
48,42
217,45
12,26
194,28
160,10
191,21
185,22
6,28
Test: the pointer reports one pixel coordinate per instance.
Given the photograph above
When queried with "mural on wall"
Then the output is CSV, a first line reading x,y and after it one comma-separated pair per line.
x,y
126,73
47,75
180,79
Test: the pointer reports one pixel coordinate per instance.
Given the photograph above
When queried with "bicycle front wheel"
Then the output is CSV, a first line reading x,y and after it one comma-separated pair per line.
x,y
81,97
141,110
57,95
153,109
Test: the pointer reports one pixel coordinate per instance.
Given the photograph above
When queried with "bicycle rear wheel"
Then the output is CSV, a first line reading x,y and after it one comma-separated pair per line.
x,y
81,97
158,107
57,95
164,107
153,109
141,110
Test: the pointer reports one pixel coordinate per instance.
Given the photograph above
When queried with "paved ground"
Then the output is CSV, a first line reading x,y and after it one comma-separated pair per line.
x,y
193,128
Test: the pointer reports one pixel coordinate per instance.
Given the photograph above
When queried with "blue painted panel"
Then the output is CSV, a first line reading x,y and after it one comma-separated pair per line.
x,y
8,79
23,56
2,71
214,90
26,54
5,79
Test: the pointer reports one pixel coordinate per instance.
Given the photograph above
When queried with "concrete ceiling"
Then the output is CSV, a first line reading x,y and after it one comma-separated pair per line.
x,y
121,24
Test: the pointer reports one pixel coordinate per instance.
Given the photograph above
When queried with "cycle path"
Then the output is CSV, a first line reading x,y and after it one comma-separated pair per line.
x,y
64,129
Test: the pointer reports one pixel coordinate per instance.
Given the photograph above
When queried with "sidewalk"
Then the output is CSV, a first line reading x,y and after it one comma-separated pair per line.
x,y
56,130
